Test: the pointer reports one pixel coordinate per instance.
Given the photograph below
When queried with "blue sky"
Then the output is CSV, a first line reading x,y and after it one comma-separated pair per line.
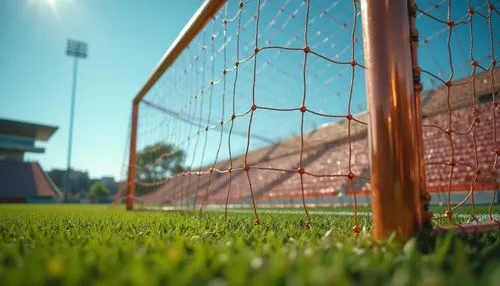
x,y
128,37
126,40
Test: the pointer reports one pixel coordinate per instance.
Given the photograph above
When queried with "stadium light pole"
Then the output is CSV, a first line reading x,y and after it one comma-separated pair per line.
x,y
77,50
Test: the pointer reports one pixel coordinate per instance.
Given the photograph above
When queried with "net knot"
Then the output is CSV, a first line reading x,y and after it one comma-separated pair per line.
x,y
448,83
246,167
301,170
307,50
414,36
451,24
452,163
241,5
256,50
254,107
493,62
350,175
308,224
230,169
471,11
237,63
419,87
497,151
356,229
233,116
349,116
206,128
303,109
413,9
478,172
449,131
448,214
353,63
474,63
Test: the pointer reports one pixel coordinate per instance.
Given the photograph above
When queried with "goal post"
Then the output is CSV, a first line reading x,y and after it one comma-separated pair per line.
x,y
262,104
393,126
132,157
194,26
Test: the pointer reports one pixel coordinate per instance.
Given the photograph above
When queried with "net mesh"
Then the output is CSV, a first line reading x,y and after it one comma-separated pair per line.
x,y
266,108
460,114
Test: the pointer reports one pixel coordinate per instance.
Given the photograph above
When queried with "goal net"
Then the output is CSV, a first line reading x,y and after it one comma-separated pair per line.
x,y
261,105
461,83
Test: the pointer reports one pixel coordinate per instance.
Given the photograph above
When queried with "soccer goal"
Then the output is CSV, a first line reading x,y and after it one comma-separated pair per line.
x,y
387,110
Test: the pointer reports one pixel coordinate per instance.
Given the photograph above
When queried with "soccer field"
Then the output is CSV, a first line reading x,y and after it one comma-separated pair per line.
x,y
84,245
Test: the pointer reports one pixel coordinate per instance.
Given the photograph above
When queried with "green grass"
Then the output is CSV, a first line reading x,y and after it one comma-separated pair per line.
x,y
84,245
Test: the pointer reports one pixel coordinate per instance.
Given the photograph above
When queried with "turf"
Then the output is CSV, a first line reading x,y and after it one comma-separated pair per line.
x,y
96,245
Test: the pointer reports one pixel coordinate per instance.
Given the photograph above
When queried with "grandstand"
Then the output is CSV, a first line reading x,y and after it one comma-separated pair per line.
x,y
22,181
326,149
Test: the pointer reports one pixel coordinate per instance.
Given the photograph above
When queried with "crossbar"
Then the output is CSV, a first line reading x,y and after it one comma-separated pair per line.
x,y
188,33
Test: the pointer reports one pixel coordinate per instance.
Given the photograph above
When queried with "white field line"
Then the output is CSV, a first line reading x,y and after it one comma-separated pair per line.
x,y
483,218
480,217
311,212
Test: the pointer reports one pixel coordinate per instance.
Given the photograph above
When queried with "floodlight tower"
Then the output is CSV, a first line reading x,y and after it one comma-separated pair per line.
x,y
77,50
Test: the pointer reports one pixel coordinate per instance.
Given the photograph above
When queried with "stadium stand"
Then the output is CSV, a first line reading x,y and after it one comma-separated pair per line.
x,y
326,149
22,181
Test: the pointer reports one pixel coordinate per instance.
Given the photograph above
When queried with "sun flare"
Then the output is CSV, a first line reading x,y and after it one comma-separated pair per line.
x,y
37,3
52,3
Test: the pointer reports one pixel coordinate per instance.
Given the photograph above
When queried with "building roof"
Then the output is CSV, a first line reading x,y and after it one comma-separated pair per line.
x,y
26,129
24,180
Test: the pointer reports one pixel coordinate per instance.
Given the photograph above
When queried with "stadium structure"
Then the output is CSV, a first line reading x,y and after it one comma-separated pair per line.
x,y
23,181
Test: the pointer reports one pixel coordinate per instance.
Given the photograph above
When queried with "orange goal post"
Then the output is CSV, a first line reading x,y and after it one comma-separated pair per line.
x,y
264,104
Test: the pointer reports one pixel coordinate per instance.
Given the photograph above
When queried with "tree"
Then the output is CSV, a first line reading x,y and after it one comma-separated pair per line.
x,y
99,190
157,162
